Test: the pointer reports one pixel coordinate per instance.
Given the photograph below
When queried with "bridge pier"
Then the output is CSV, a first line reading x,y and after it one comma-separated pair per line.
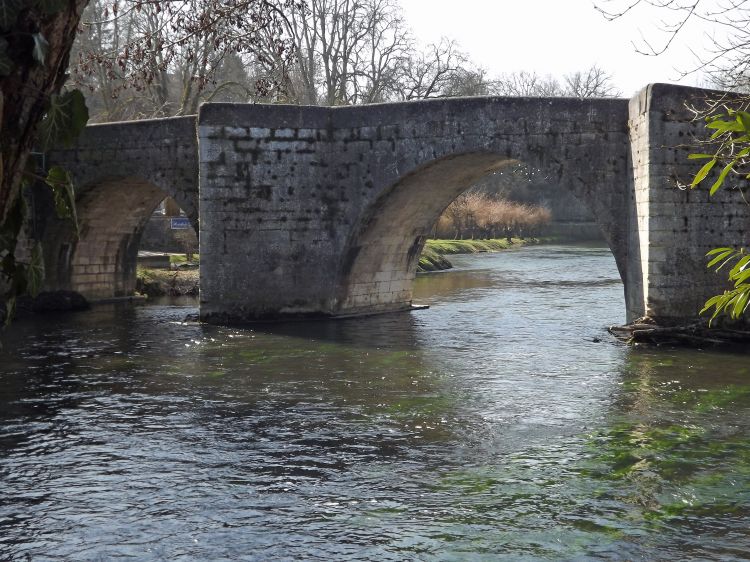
x,y
676,225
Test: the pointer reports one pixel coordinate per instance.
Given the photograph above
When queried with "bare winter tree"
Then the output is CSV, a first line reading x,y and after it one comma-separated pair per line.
x,y
347,51
468,81
591,83
527,84
434,72
144,58
353,52
379,64
726,63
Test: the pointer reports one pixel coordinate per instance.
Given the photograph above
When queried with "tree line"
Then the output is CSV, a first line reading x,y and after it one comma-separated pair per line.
x,y
154,59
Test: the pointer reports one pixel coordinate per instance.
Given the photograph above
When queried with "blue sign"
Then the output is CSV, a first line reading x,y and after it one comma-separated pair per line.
x,y
181,223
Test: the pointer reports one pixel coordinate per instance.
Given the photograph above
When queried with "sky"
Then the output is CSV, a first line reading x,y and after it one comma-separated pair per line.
x,y
558,37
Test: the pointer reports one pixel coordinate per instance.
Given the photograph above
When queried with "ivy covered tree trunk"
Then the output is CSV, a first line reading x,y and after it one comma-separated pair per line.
x,y
35,42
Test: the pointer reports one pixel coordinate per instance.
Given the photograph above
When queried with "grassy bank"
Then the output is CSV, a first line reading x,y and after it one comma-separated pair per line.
x,y
165,282
432,258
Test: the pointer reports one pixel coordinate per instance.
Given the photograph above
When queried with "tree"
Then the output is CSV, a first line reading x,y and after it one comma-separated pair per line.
x,y
347,51
527,84
140,58
438,71
36,37
35,42
592,83
726,62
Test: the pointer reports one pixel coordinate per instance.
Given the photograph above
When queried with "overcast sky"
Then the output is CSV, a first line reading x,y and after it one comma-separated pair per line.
x,y
555,37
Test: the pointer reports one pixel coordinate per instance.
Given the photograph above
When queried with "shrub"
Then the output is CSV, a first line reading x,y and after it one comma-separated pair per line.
x,y
480,216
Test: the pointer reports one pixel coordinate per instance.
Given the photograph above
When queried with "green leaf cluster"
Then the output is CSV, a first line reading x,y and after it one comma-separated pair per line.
x,y
734,302
64,121
731,130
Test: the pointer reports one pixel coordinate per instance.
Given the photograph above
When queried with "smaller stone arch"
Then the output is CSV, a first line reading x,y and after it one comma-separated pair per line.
x,y
100,263
121,171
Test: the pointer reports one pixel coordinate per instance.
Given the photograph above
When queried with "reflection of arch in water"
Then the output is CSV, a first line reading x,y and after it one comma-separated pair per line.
x,y
101,263
381,257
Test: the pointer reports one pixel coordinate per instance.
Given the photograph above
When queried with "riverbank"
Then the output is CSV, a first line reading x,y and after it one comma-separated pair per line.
x,y
167,282
433,256
186,282
696,335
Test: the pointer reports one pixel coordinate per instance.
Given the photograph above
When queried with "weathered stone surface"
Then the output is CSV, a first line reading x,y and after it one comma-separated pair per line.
x,y
677,226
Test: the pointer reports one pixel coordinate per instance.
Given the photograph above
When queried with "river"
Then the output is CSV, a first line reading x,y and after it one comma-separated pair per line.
x,y
503,423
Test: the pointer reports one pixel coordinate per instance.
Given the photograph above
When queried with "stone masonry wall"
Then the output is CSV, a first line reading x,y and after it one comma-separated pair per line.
x,y
324,211
270,216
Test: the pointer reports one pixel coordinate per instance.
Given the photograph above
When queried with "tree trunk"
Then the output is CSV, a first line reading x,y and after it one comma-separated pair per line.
x,y
25,93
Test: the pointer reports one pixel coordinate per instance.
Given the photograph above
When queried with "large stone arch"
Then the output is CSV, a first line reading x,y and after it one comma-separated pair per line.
x,y
121,172
380,259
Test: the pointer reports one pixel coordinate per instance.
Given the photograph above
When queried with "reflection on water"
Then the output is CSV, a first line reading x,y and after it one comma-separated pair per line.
x,y
494,425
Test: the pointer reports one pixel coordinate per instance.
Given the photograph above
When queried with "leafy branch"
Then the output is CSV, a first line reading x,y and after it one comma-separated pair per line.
x,y
733,302
731,135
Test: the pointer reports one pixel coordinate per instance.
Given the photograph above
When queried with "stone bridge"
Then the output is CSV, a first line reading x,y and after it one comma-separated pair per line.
x,y
308,211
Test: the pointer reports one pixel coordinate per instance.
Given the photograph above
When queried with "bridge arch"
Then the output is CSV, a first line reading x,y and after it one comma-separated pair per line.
x,y
380,260
121,172
324,208
100,263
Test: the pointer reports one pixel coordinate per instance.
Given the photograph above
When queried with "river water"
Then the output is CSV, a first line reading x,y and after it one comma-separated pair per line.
x,y
501,424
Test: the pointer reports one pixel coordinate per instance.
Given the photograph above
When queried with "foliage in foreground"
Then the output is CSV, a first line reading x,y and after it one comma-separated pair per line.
x,y
35,116
732,137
